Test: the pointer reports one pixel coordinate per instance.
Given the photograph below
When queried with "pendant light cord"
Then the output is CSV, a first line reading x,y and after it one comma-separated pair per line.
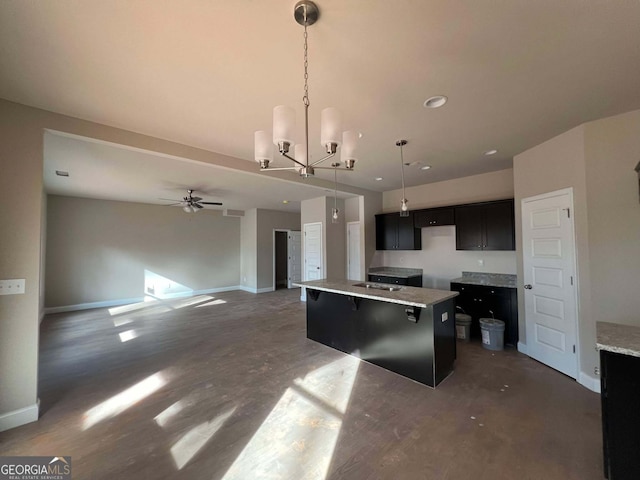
x,y
402,170
305,98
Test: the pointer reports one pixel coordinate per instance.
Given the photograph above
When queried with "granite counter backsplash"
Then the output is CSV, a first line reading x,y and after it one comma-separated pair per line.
x,y
399,272
489,279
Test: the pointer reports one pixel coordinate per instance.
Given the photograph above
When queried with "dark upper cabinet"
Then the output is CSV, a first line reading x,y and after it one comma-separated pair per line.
x,y
433,217
394,232
485,226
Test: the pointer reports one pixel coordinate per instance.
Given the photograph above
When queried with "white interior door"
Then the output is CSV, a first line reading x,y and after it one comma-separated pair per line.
x,y
353,251
294,267
313,263
550,295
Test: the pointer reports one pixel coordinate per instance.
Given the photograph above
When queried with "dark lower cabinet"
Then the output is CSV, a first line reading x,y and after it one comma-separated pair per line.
x,y
485,226
481,301
415,281
620,394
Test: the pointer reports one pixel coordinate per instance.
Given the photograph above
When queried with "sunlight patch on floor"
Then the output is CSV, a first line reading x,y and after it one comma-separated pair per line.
x,y
120,321
164,417
299,436
124,400
192,442
176,304
132,307
128,335
215,302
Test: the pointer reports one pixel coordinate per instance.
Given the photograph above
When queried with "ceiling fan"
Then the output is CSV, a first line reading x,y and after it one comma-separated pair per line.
x,y
190,204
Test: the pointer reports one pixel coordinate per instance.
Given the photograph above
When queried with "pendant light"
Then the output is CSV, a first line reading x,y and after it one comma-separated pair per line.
x,y
404,204
306,13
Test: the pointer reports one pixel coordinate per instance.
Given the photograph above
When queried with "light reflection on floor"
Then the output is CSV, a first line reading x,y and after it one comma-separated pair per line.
x,y
298,437
125,399
192,442
128,335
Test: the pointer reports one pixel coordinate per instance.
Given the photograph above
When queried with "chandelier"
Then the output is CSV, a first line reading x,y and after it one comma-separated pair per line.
x,y
331,136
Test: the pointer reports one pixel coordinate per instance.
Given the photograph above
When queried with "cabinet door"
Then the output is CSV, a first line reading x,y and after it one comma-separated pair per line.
x,y
620,385
433,217
499,232
387,231
409,237
469,235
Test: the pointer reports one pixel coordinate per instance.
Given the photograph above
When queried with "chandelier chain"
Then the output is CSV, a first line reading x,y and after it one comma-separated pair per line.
x,y
305,98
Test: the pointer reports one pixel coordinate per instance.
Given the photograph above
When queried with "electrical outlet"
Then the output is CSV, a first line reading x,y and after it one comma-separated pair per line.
x,y
481,262
13,286
445,316
596,370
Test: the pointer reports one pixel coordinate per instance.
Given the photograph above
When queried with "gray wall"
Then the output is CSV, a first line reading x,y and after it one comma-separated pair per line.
x,y
99,250
249,249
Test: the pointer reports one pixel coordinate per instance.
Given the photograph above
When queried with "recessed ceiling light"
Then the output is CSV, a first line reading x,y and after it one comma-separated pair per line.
x,y
360,134
378,179
488,153
285,201
411,164
62,173
435,102
425,167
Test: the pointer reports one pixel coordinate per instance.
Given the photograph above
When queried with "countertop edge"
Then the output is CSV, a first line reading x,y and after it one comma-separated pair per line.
x,y
378,298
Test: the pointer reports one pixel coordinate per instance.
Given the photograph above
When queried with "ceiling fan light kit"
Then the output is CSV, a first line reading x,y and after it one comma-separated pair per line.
x,y
306,13
191,204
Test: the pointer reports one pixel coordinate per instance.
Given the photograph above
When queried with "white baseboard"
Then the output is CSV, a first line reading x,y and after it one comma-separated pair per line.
x,y
522,348
589,381
255,290
19,417
126,301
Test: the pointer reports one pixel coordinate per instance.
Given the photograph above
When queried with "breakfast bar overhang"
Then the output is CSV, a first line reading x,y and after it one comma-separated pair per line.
x,y
407,330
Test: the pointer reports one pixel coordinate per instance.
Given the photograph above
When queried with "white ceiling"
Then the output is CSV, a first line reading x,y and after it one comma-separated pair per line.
x,y
207,74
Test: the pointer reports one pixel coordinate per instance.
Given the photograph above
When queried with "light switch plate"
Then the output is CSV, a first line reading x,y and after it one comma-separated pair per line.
x,y
13,286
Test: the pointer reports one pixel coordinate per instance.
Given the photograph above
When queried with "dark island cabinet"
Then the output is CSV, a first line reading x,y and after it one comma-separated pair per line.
x,y
481,301
394,232
485,226
620,395
433,217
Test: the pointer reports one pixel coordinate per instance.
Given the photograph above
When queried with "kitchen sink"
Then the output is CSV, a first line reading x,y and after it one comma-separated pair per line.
x,y
378,286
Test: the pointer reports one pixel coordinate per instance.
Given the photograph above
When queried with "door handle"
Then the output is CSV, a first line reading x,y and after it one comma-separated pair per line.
x,y
318,268
528,287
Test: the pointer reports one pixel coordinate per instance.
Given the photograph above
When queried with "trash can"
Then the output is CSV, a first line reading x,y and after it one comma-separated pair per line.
x,y
463,327
492,333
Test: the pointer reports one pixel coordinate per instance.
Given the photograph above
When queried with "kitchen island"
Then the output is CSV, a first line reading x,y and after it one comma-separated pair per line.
x,y
407,330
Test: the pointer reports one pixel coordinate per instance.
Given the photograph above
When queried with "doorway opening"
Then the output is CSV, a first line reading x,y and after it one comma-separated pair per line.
x,y
281,260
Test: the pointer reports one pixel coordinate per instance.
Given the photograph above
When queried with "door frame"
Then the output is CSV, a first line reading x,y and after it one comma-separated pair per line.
x,y
576,295
357,222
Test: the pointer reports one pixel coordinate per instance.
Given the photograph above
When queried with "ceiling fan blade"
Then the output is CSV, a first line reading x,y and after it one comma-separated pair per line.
x,y
196,199
210,203
197,205
170,199
172,204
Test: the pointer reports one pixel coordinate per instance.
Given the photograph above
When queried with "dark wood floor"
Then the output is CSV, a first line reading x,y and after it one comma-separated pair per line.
x,y
230,388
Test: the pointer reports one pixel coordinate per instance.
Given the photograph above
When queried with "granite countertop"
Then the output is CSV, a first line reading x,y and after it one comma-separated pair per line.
x,y
617,338
411,296
398,272
489,279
